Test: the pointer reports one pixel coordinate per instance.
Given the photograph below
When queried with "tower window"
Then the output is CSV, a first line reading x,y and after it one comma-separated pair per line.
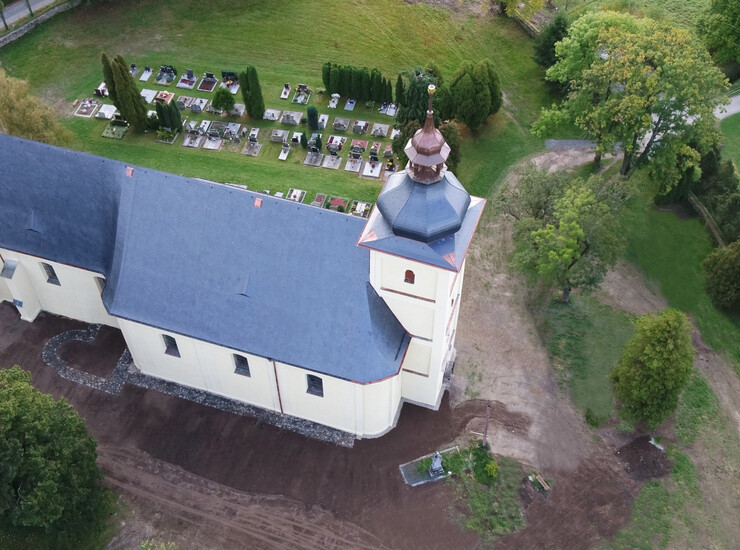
x,y
409,277
51,276
242,365
315,385
170,346
101,283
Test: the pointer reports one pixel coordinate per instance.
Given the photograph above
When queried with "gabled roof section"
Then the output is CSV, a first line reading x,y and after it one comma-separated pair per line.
x,y
58,204
448,253
283,280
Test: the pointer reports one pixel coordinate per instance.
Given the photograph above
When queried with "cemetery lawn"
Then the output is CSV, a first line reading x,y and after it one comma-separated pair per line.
x,y
282,39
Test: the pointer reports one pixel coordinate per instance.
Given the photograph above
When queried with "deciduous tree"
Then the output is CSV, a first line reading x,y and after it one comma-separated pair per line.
x,y
723,277
719,28
48,474
26,116
567,230
654,367
650,88
223,100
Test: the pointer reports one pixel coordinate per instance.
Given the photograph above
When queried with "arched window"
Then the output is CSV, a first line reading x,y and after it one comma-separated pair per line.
x,y
409,277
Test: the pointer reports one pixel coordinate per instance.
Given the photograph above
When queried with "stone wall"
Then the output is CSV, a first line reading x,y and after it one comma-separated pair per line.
x,y
20,31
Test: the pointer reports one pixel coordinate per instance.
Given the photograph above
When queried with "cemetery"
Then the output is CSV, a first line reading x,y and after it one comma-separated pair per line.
x,y
146,75
380,130
148,95
341,124
361,209
133,69
87,108
199,105
360,126
319,200
291,117
335,143
164,97
323,121
285,92
296,195
116,128
238,110
302,94
166,75
230,81
106,112
253,147
185,102
279,136
332,161
334,101
272,114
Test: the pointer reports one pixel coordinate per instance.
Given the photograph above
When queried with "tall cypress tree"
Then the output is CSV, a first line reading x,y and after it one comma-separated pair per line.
x,y
175,117
366,87
345,81
357,84
334,81
131,103
325,75
256,105
244,87
400,91
388,92
108,79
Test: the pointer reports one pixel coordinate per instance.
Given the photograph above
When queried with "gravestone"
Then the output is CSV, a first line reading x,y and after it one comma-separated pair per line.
x,y
436,469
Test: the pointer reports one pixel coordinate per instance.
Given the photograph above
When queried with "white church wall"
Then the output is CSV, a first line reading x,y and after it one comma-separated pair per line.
x,y
5,295
416,317
77,295
392,276
22,291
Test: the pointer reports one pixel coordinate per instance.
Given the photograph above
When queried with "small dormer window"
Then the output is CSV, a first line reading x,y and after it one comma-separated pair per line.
x,y
170,346
409,277
51,276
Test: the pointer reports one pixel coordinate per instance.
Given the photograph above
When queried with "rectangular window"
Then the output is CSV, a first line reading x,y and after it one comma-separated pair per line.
x,y
8,269
170,346
51,276
101,283
315,385
242,365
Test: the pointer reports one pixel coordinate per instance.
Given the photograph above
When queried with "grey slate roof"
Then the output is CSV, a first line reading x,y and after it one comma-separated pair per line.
x,y
285,281
424,212
58,204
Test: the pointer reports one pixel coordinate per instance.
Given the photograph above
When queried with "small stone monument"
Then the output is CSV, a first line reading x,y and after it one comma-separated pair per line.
x,y
436,470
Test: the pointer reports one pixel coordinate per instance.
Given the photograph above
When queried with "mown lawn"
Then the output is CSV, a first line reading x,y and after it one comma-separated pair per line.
x,y
731,129
287,42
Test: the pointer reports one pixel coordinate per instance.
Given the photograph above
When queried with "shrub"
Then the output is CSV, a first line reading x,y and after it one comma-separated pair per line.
x,y
723,277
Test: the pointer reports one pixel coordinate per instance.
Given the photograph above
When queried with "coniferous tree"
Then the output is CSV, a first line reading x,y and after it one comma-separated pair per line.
x,y
400,91
175,117
256,105
304,140
375,85
366,88
345,76
544,44
244,87
487,73
334,81
357,84
312,115
131,104
108,79
388,92
325,75
161,116
451,133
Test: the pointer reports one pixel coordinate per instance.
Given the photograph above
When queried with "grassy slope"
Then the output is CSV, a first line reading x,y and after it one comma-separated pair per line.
x,y
287,42
731,129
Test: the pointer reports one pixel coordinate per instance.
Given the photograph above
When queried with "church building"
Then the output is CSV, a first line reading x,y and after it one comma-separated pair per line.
x,y
288,307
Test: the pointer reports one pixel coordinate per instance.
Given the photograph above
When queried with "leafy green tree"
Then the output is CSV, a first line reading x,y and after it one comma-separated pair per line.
x,y
48,474
26,116
719,28
400,141
451,133
723,277
400,90
654,367
313,118
544,44
2,15
128,97
567,230
223,100
650,88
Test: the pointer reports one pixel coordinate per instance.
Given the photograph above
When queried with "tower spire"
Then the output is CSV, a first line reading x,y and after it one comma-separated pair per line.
x,y
427,150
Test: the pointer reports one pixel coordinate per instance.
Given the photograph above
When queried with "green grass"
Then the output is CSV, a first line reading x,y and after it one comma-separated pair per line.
x,y
731,129
670,251
287,42
586,339
679,13
698,407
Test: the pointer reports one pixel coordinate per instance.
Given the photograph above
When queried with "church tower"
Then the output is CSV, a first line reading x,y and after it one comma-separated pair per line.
x,y
418,236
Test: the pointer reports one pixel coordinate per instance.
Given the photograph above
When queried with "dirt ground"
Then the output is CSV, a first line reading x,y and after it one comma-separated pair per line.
x,y
208,479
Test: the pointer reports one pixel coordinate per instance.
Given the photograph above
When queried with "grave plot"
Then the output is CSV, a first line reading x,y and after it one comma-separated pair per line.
x,y
360,209
390,166
279,136
335,143
296,195
332,161
230,81
146,75
116,128
295,139
391,111
388,151
272,114
302,94
338,203
285,92
238,110
218,127
188,80
323,121
107,112
353,165
360,126
151,113
350,105
199,105
167,137
204,126
87,108
285,151
212,142
319,200
359,144
208,83
101,91
185,102
166,75
314,158
252,147
341,124
233,137
193,139
148,95
291,117
372,169
164,97
334,101
278,194
395,132
380,130
133,69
